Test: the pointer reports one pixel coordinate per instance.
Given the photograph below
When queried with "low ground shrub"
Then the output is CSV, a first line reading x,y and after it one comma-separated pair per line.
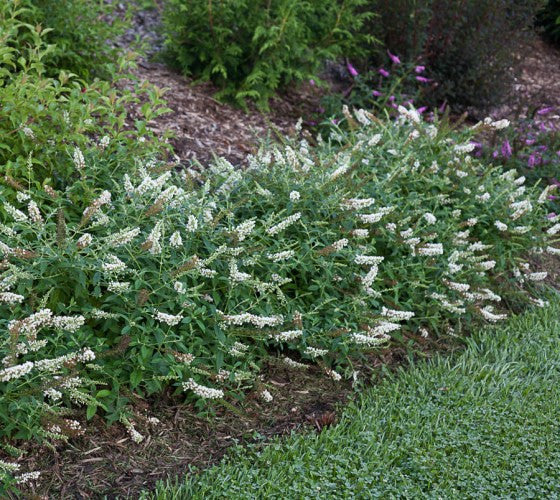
x,y
315,254
457,42
252,49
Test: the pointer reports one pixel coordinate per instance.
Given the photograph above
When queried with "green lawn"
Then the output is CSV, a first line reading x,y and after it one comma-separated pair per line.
x,y
484,424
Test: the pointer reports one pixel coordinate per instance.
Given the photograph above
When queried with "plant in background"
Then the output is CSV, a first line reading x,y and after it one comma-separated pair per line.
x,y
315,254
548,19
80,31
456,40
250,50
532,147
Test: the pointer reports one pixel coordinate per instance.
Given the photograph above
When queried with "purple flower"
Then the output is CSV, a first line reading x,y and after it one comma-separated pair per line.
x,y
506,149
422,109
552,197
441,109
334,121
530,142
408,102
551,215
555,182
320,110
419,69
532,161
384,72
376,93
545,111
392,98
312,82
353,71
495,154
395,59
423,79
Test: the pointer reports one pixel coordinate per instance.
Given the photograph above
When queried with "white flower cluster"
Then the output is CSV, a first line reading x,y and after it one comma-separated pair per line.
x,y
281,256
175,241
16,214
11,298
123,237
287,336
430,249
340,244
314,352
203,391
288,221
394,315
244,229
357,203
168,319
258,321
84,240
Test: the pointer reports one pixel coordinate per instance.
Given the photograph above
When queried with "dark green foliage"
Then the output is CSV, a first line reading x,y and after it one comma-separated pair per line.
x,y
250,49
549,19
462,42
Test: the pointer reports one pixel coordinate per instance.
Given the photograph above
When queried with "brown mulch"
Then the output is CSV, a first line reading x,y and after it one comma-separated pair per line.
x,y
203,127
537,82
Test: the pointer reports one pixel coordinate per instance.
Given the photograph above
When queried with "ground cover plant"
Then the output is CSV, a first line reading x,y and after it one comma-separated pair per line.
x,y
483,424
251,50
126,282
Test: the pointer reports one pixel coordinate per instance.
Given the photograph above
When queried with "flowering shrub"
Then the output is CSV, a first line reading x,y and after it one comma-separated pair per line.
x,y
532,147
191,280
252,49
380,89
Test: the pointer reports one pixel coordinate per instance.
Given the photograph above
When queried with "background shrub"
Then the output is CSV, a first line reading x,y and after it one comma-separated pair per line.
x,y
43,119
251,49
549,20
81,32
457,40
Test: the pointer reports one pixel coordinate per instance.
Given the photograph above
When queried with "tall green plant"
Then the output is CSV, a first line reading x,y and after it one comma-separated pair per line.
x,y
251,49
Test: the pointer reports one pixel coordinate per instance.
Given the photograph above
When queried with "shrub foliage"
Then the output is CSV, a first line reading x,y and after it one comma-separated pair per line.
x,y
251,49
